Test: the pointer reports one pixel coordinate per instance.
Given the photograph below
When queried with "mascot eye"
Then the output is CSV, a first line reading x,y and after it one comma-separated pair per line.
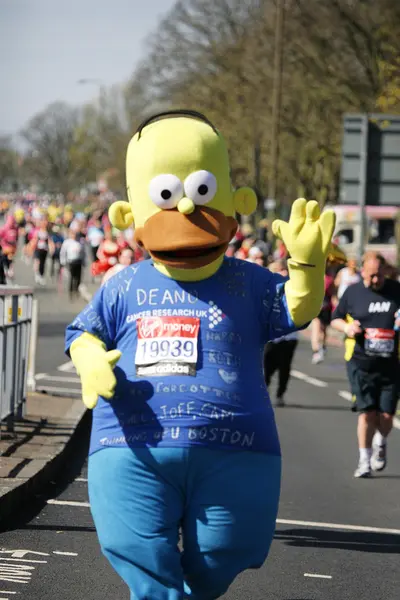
x,y
200,187
166,190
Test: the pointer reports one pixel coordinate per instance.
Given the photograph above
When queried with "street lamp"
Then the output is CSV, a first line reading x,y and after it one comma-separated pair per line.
x,y
90,80
276,98
100,86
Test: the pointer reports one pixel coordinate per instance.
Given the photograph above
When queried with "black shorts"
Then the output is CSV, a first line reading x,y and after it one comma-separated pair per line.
x,y
325,316
377,390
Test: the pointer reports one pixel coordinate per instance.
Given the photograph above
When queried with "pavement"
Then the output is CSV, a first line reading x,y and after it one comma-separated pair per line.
x,y
337,538
32,454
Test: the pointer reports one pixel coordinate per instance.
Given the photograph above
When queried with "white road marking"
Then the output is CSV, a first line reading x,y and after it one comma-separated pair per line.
x,y
65,553
3,592
339,526
16,573
68,503
68,366
81,479
17,569
47,388
308,379
27,560
317,576
58,378
21,553
309,536
278,521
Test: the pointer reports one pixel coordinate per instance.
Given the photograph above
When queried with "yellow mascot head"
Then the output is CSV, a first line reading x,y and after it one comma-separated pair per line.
x,y
181,199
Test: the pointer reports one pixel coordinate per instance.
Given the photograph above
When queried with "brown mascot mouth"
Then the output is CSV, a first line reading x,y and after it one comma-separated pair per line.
x,y
187,241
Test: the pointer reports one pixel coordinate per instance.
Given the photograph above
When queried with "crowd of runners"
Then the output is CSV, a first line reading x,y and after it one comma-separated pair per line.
x,y
61,243
361,300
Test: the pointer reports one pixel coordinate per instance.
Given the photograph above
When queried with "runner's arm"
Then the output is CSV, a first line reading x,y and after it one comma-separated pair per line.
x,y
340,318
340,313
63,253
338,279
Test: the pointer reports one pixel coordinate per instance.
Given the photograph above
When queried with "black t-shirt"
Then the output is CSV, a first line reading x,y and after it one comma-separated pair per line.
x,y
377,346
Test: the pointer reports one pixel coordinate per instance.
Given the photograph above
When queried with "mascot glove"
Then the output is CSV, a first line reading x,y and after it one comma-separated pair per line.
x,y
307,237
95,368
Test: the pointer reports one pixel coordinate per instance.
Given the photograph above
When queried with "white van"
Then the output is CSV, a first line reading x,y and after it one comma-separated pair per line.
x,y
381,230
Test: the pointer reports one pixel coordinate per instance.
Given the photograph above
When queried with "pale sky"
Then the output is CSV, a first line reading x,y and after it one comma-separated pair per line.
x,y
46,46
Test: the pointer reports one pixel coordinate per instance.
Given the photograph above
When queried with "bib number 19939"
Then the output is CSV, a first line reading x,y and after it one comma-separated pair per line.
x,y
167,346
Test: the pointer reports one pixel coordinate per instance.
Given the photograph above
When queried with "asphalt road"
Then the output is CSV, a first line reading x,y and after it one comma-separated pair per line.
x,y
325,544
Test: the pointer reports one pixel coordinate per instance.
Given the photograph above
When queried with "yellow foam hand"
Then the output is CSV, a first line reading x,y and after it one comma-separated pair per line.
x,y
307,237
336,255
95,368
308,234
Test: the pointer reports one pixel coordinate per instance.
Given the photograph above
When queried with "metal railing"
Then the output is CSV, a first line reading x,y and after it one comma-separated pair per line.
x,y
16,310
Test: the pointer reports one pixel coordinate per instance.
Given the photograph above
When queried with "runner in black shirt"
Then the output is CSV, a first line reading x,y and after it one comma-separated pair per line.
x,y
366,314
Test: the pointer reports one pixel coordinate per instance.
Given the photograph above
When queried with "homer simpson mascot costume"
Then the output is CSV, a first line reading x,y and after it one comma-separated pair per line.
x,y
169,351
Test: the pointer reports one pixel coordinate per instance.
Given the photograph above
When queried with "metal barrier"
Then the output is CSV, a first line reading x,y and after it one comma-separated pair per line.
x,y
16,308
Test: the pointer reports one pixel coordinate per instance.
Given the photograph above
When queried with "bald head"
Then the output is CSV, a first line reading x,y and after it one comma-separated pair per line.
x,y
373,271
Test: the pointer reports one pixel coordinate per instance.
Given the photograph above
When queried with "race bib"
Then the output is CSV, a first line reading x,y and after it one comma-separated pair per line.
x,y
42,244
75,252
379,342
167,346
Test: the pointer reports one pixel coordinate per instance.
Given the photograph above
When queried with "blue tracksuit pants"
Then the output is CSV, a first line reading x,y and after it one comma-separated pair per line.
x,y
223,504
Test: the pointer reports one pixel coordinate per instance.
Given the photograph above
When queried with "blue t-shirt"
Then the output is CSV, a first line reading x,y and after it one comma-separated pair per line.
x,y
190,373
57,239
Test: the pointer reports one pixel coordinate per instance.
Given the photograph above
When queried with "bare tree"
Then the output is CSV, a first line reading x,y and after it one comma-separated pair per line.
x,y
50,136
9,164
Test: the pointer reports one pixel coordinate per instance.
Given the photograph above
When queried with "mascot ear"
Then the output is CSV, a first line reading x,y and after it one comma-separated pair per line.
x,y
245,201
120,215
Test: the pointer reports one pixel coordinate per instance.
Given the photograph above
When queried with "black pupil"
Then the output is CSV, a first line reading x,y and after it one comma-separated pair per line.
x,y
203,189
166,194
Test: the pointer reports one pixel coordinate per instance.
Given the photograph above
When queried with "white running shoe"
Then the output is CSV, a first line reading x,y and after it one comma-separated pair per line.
x,y
317,357
379,457
363,470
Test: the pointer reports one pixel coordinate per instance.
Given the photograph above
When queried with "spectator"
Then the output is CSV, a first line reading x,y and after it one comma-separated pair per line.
x,y
255,255
278,354
95,236
126,258
347,276
57,240
72,256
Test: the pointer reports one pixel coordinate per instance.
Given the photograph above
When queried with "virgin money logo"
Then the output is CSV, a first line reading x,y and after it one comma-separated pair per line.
x,y
150,327
156,327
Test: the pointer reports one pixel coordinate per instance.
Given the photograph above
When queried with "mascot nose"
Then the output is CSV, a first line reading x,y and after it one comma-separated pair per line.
x,y
186,206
